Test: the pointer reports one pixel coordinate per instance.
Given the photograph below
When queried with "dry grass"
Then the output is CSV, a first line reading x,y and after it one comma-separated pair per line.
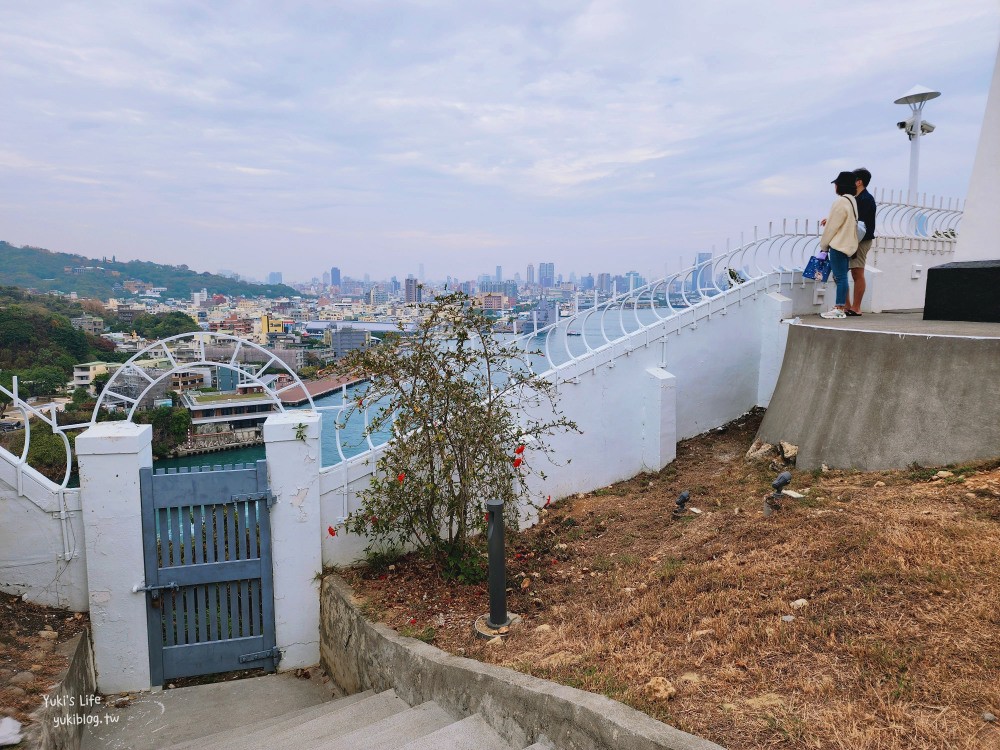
x,y
897,648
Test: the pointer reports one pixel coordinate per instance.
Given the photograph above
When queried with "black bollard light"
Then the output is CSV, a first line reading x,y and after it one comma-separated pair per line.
x,y
497,565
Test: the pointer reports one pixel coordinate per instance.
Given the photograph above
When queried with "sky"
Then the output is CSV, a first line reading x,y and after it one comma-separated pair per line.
x,y
377,135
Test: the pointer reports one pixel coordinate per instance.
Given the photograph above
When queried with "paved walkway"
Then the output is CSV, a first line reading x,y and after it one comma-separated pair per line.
x,y
909,323
156,720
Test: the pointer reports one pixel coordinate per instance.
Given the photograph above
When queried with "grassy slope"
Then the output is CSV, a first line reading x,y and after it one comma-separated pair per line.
x,y
897,647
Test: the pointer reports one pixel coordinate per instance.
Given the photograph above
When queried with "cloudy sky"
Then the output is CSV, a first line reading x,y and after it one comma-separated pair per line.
x,y
376,135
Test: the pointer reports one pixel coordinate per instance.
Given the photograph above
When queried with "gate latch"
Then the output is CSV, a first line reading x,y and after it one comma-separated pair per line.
x,y
155,590
271,653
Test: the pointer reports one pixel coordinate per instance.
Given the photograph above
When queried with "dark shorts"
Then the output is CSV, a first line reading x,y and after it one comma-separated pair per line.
x,y
858,259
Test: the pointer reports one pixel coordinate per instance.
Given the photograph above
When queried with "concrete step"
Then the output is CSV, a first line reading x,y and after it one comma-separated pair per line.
x,y
471,733
152,721
387,734
314,732
274,724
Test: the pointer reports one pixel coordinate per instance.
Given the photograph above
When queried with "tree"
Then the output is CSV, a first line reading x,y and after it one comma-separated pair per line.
x,y
470,418
100,380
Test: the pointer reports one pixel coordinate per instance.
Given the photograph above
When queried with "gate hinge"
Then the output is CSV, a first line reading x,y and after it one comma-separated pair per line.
x,y
272,653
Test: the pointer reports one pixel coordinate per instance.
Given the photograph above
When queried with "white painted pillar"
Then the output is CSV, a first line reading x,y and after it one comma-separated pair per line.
x,y
110,456
874,291
293,462
775,309
659,438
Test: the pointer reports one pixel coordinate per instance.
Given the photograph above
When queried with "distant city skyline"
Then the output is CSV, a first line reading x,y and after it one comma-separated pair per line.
x,y
447,138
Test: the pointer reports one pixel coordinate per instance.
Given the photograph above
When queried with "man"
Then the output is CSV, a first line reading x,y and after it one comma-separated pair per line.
x,y
866,213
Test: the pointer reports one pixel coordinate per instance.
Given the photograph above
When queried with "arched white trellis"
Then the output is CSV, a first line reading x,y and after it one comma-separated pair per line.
x,y
161,350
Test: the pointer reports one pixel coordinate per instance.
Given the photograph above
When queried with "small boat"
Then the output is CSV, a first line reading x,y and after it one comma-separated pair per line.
x,y
573,333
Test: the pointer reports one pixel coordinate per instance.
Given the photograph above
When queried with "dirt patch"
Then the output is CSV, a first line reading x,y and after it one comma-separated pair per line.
x,y
864,615
31,661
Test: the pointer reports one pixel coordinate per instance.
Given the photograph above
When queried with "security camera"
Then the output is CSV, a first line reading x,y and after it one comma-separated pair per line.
x,y
926,127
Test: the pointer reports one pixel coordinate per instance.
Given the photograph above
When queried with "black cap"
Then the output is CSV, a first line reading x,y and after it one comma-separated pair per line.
x,y
844,177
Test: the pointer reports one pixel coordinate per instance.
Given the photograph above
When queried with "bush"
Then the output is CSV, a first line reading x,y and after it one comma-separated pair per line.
x,y
471,420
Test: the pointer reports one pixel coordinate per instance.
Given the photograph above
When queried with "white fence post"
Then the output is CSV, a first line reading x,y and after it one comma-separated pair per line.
x,y
659,439
110,456
293,462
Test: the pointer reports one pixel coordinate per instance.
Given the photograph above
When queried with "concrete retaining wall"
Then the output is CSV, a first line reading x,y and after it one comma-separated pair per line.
x,y
62,718
359,655
867,400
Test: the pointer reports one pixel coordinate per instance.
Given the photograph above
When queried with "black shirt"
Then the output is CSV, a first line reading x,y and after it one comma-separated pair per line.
x,y
866,213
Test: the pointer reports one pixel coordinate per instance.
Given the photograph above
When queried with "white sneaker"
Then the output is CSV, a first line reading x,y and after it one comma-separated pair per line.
x,y
833,314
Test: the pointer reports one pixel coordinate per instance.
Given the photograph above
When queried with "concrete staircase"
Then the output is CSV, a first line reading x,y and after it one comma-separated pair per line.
x,y
375,721
278,711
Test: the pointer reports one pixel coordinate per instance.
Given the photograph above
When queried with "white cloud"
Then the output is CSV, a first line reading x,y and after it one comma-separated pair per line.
x,y
543,128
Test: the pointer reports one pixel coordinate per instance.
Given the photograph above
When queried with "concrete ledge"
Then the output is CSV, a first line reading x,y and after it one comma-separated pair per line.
x,y
871,399
62,718
359,655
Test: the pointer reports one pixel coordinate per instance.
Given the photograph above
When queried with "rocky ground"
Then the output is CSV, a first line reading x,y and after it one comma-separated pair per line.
x,y
863,614
30,662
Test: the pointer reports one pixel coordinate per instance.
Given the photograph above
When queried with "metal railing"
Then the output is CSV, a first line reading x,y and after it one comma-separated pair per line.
x,y
595,326
598,325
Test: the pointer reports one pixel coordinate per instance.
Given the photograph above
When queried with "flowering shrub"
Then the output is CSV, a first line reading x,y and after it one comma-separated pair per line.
x,y
463,405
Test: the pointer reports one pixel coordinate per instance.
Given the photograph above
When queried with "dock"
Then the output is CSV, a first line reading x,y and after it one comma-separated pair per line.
x,y
318,389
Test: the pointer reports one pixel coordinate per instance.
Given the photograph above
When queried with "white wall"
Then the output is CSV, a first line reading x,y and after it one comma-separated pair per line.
x,y
42,554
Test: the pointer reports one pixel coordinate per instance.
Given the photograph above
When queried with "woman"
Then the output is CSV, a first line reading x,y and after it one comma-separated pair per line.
x,y
840,236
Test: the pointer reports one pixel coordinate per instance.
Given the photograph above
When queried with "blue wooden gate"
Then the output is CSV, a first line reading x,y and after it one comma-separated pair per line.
x,y
209,586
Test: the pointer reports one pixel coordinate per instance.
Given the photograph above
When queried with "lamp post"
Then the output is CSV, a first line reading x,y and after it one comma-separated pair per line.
x,y
916,127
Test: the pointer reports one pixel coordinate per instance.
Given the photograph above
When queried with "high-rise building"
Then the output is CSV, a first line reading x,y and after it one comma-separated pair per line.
x,y
499,274
546,275
274,277
335,276
701,279
604,283
530,275
420,272
326,278
413,290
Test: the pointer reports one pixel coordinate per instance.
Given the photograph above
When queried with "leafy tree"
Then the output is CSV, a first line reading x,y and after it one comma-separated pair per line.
x,y
170,427
471,420
80,397
47,452
164,325
100,381
43,381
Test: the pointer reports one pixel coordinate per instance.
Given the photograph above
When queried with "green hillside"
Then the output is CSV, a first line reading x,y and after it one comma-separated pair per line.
x,y
45,270
39,344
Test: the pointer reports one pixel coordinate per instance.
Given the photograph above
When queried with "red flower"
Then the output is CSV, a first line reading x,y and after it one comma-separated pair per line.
x,y
413,621
519,450
517,462
401,476
374,519
548,501
331,531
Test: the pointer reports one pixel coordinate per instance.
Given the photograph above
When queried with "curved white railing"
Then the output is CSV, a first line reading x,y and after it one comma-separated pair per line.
x,y
596,326
780,252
